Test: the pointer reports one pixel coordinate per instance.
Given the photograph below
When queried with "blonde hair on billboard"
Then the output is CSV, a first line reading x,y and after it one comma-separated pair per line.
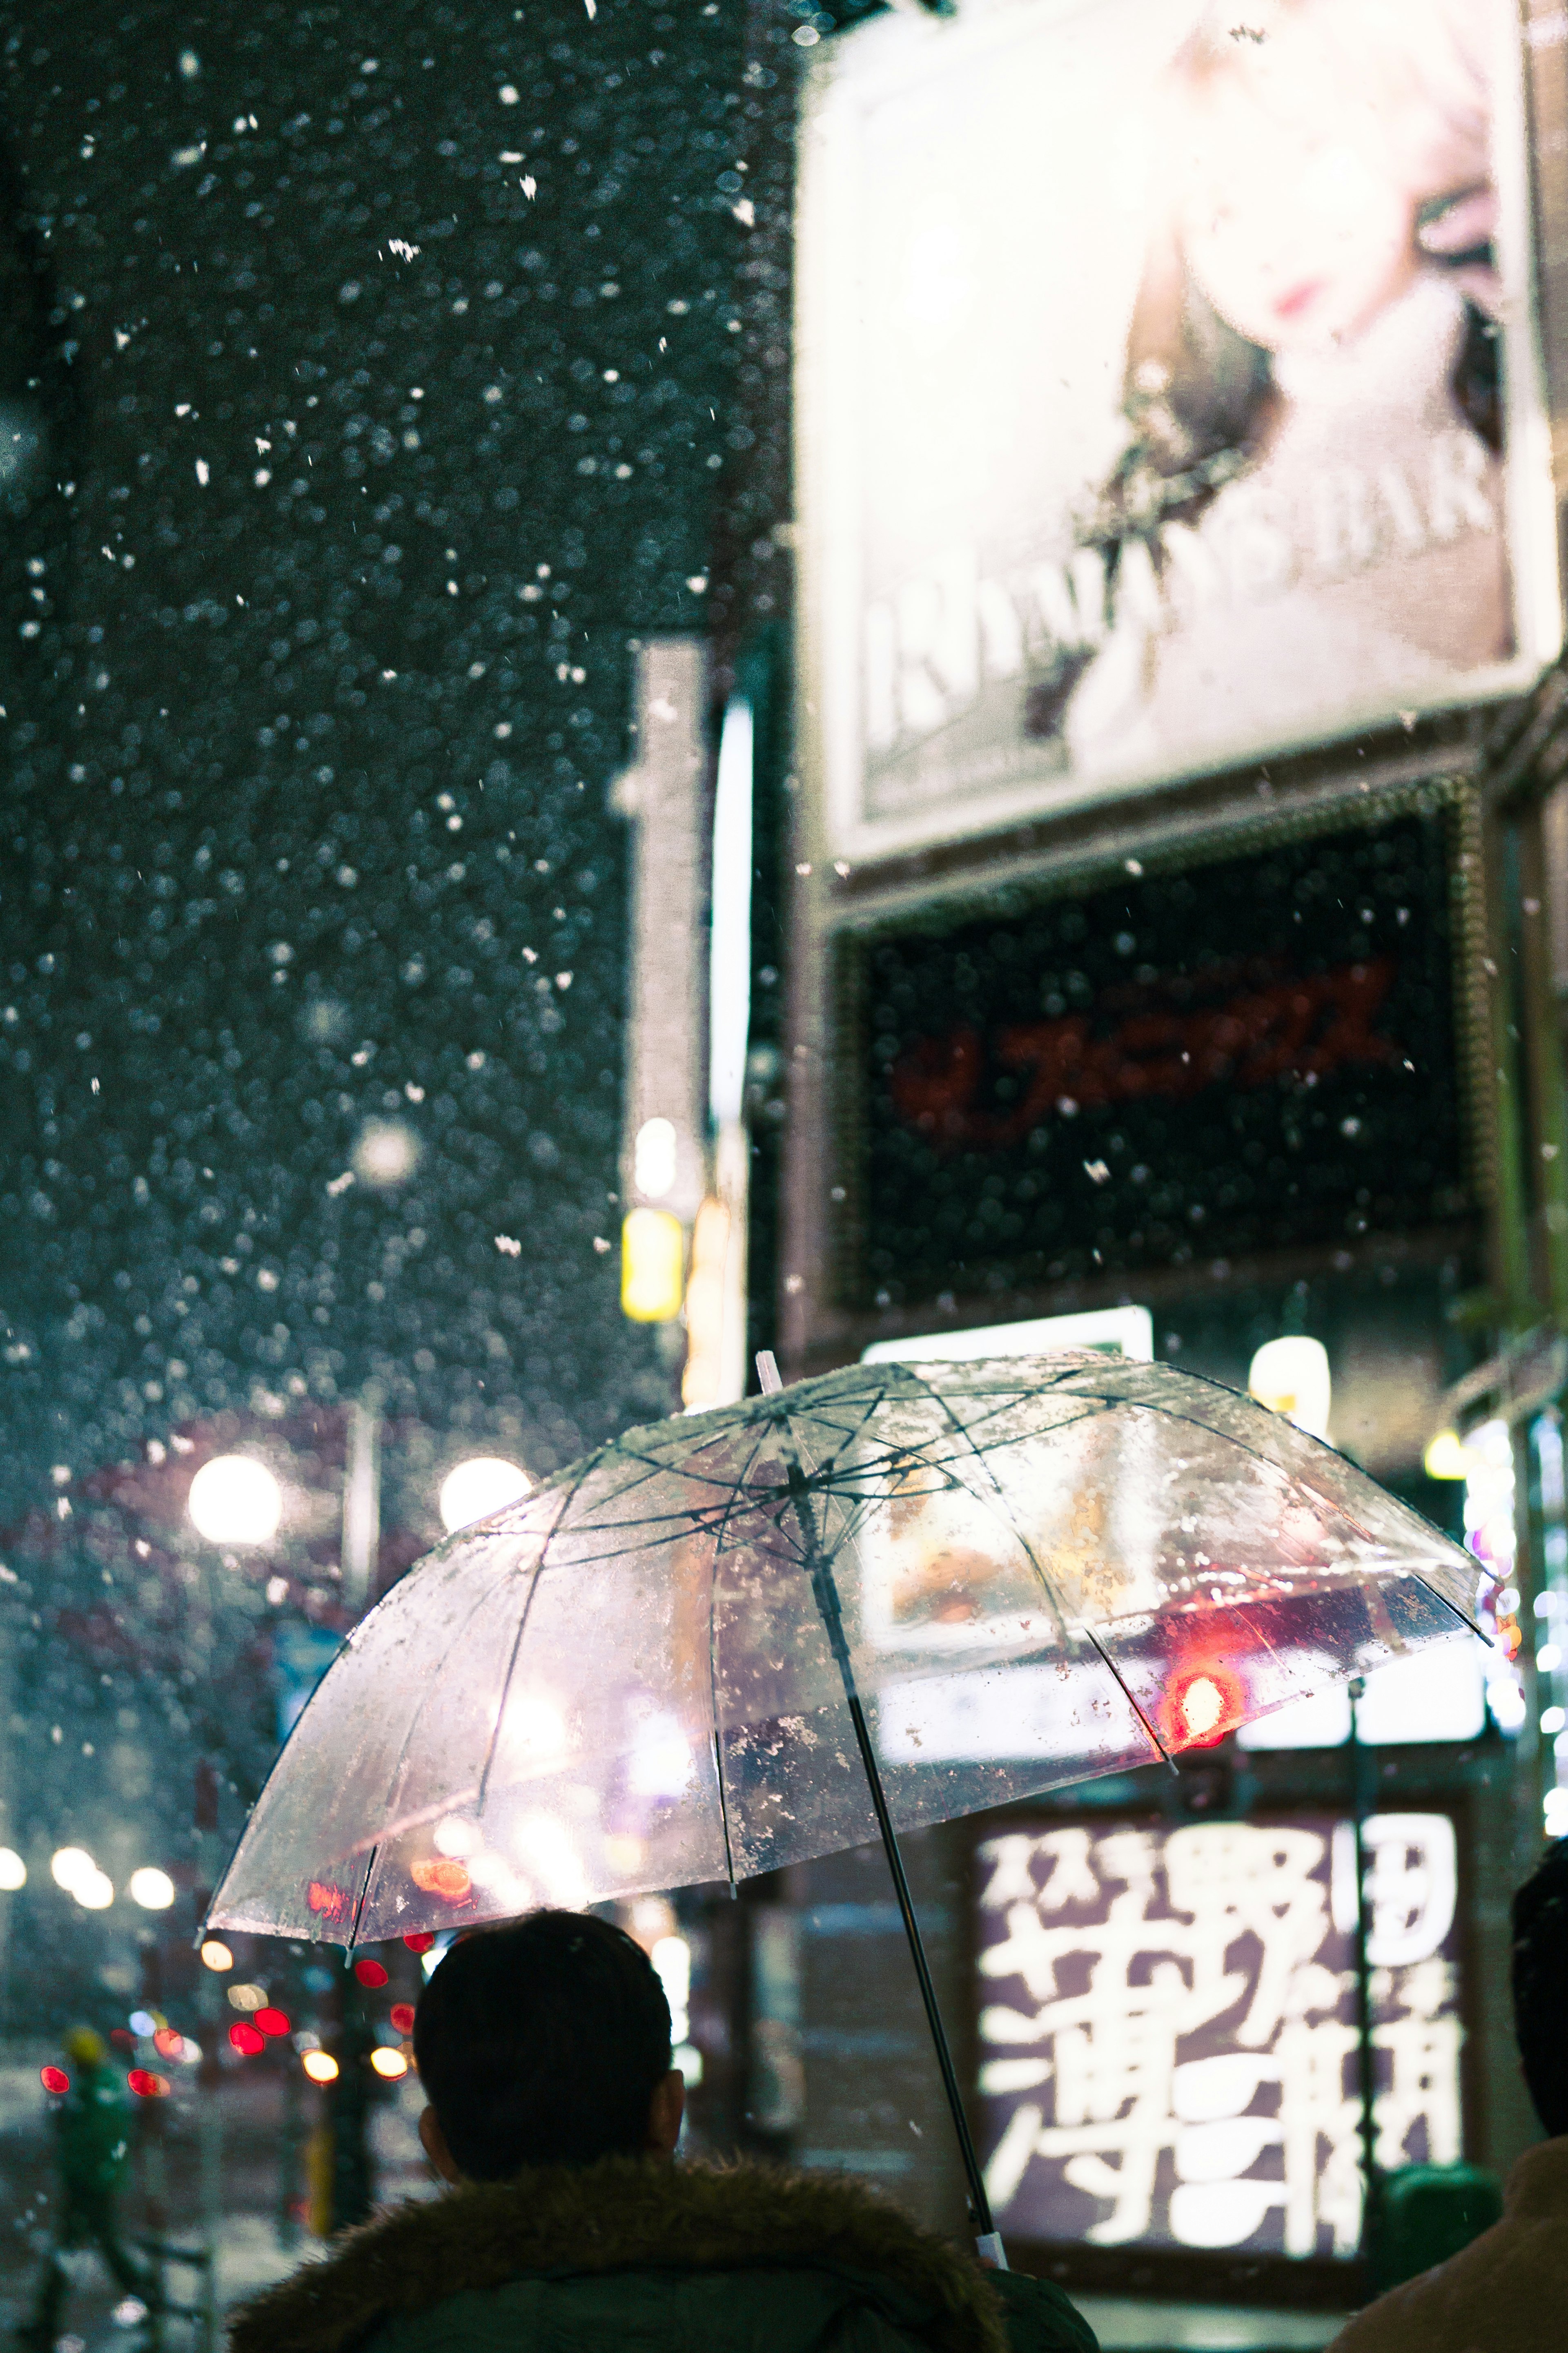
x,y
1194,386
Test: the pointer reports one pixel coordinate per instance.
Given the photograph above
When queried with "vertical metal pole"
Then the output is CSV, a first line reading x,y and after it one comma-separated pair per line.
x,y
362,1499
1367,2049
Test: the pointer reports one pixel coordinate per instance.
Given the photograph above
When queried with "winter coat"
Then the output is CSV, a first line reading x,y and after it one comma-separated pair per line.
x,y
635,2253
1498,2294
93,2124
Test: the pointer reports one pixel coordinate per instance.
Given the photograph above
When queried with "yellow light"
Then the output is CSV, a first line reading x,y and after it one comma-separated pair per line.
x,y
321,2067
705,1305
216,1955
153,1889
653,1252
1447,1457
247,1998
390,2063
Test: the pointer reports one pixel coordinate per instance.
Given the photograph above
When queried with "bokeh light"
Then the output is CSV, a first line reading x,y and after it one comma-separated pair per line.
x,y
235,1499
370,1973
321,2067
55,2080
215,1954
475,1489
388,2062
13,1870
247,2040
386,1153
147,2085
272,2021
247,1997
403,2017
153,1889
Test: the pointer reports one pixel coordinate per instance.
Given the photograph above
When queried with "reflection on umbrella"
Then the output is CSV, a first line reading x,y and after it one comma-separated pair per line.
x,y
739,1639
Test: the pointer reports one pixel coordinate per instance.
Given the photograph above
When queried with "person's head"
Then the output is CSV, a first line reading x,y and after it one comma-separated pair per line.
x,y
1540,1986
85,2046
546,2042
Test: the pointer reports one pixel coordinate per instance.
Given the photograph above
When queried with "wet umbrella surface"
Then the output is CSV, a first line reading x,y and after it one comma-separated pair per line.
x,y
1018,1574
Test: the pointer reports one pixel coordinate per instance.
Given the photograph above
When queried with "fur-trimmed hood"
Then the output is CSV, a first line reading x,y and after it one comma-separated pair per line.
x,y
623,2214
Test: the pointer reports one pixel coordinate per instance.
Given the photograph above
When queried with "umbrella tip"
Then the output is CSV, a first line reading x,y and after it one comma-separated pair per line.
x,y
768,1373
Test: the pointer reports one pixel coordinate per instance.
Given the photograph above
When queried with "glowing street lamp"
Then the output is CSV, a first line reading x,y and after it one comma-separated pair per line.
x,y
235,1499
475,1489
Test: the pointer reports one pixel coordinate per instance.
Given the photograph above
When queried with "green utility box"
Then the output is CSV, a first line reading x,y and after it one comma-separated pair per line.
x,y
1427,2214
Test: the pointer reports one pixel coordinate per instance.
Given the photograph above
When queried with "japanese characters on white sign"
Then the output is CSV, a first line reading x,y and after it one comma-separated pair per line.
x,y
1169,2053
1168,396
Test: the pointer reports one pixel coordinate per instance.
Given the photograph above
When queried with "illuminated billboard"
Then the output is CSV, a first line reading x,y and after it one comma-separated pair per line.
x,y
1169,2054
1168,396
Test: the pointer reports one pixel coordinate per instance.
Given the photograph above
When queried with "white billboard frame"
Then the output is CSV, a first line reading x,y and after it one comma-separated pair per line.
x,y
893,61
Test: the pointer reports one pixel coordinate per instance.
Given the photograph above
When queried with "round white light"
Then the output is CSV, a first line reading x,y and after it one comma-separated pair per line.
x,y
654,1159
13,1870
390,2063
236,1500
476,1489
153,1889
94,1891
216,1955
69,1865
386,1153
1292,1378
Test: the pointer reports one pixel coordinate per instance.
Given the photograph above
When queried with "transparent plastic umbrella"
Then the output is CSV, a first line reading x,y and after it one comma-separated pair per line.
x,y
891,1596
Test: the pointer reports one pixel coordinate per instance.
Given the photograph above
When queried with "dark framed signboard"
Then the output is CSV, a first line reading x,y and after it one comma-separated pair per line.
x,y
1168,2055
1258,1052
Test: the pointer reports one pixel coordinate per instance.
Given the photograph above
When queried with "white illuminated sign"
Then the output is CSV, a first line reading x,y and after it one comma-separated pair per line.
x,y
1169,2053
1119,1331
1167,395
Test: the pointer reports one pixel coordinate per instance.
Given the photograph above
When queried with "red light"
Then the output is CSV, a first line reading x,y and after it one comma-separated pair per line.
x,y
54,2079
1207,1702
123,2037
442,1876
420,1941
168,2042
403,2017
370,1973
271,2022
147,2085
245,2039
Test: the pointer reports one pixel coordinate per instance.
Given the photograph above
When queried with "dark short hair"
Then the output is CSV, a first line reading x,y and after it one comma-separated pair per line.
x,y
540,2044
1540,1986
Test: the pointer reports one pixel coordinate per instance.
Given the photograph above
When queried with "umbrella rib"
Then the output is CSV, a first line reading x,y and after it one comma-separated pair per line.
x,y
1127,1696
365,1891
1452,1607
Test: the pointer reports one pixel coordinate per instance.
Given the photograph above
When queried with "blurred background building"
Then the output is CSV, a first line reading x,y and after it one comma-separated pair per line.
x,y
631,735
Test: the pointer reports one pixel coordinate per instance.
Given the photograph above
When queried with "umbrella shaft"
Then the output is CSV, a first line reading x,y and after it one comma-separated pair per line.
x,y
980,2205
825,1592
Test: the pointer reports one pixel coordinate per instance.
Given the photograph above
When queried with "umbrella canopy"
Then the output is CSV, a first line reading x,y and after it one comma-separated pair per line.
x,y
662,1667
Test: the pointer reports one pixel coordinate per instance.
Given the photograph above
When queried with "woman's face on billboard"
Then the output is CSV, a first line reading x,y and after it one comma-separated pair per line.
x,y
1295,228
